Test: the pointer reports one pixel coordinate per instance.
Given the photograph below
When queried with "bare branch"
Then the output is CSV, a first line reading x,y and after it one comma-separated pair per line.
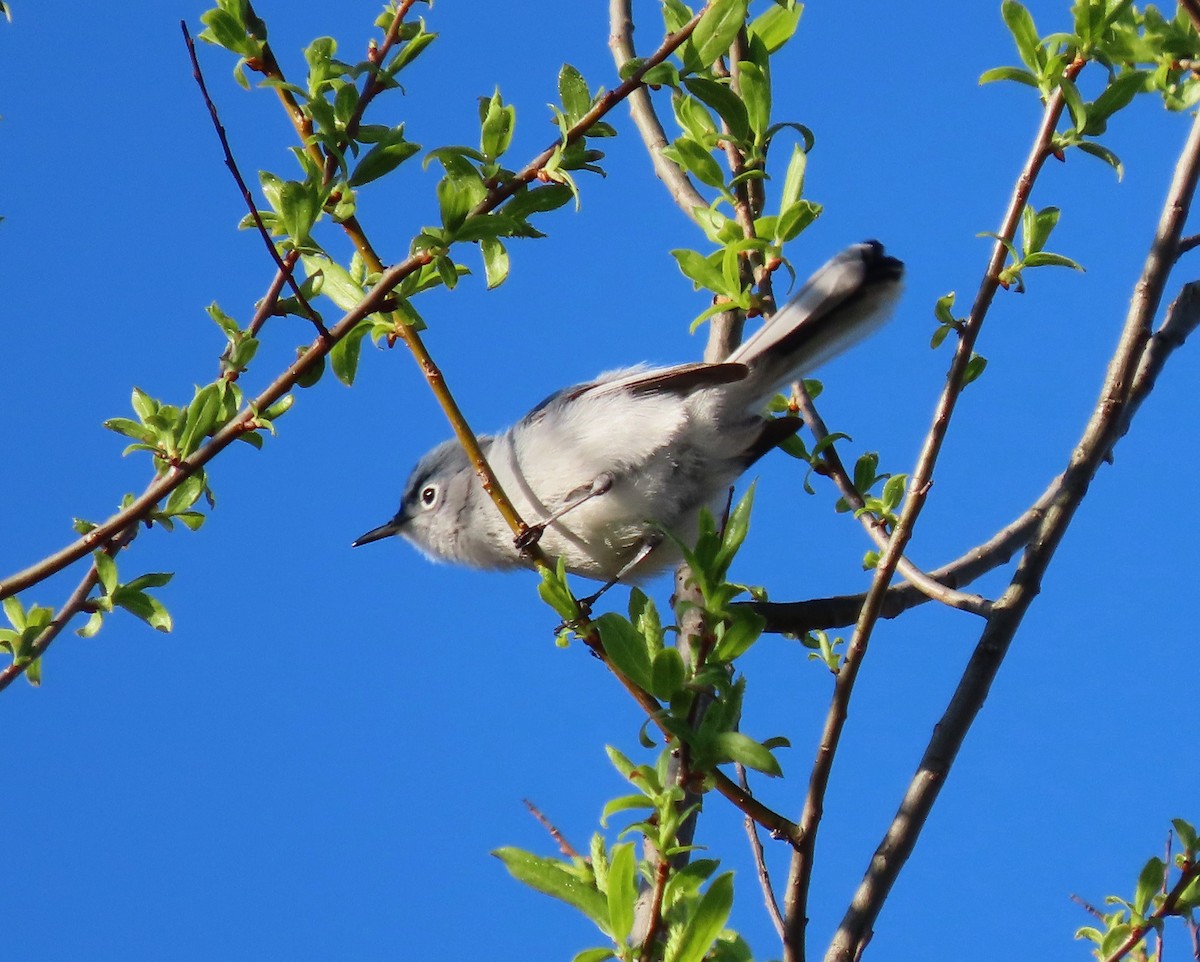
x,y
918,489
760,862
645,119
798,617
1130,372
874,527
284,269
565,847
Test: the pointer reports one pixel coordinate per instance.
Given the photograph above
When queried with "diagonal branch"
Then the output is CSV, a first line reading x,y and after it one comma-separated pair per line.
x,y
284,269
372,302
838,611
1130,375
645,119
918,489
872,524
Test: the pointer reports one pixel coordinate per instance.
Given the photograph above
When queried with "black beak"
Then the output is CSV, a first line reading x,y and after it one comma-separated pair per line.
x,y
378,534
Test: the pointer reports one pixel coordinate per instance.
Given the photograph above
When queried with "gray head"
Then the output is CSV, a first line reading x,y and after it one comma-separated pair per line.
x,y
436,495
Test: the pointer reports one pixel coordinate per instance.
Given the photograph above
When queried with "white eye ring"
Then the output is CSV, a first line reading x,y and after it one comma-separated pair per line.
x,y
429,495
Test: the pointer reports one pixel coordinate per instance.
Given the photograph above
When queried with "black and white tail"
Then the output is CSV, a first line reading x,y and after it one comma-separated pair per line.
x,y
845,301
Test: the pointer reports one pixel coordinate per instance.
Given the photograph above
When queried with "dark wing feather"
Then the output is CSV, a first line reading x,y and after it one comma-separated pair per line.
x,y
685,378
774,432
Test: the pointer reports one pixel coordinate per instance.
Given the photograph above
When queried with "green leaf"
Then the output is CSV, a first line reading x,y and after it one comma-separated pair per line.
x,y
736,747
793,181
1116,96
143,404
1047,259
15,612
694,118
700,270
735,532
714,33
187,494
1186,833
1021,26
1106,155
728,106
756,92
538,200
626,648
1008,73
106,571
707,922
496,127
552,878
149,609
92,626
667,674
742,632
593,955
777,24
554,591
343,357
131,429
975,367
1075,104
696,160
796,219
1149,883
1036,226
223,30
495,262
893,491
299,207
152,579
573,93
622,890
382,159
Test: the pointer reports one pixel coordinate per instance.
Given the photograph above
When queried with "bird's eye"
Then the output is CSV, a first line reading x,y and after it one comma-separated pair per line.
x,y
429,495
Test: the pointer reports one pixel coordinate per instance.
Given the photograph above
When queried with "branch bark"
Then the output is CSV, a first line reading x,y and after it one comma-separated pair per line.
x,y
1131,373
919,484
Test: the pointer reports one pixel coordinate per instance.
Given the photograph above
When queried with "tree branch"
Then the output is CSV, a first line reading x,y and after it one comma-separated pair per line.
x,y
919,484
1130,373
284,269
798,617
371,303
872,524
620,42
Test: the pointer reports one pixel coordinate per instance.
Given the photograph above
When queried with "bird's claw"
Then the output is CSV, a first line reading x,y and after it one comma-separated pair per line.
x,y
529,537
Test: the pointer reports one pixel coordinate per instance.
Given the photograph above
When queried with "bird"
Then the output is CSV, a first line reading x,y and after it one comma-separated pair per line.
x,y
600,471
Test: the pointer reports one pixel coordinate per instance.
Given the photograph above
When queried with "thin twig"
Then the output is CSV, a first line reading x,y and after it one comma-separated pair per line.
x,y
798,617
927,585
370,304
565,847
241,183
75,603
1087,906
1188,243
1118,402
378,55
760,861
920,481
662,872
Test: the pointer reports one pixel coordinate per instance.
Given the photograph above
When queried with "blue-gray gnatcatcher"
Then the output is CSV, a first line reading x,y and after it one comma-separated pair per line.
x,y
600,470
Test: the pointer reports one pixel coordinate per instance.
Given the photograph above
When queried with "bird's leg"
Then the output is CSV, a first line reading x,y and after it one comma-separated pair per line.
x,y
533,533
649,542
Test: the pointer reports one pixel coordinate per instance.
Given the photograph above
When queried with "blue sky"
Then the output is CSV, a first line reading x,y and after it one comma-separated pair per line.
x,y
316,763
